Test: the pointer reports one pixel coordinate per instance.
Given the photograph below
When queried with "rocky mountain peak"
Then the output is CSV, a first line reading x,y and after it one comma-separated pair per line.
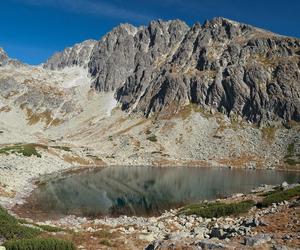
x,y
223,65
3,57
78,55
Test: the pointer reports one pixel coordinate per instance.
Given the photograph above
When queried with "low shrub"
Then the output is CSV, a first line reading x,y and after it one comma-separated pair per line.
x,y
50,228
279,196
65,148
24,149
152,138
217,209
11,229
39,244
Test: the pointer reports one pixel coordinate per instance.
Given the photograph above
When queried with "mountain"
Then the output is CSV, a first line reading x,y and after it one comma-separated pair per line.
x,y
6,60
220,66
3,57
163,94
78,55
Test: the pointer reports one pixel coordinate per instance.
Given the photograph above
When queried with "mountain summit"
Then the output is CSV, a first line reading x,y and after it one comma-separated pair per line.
x,y
222,65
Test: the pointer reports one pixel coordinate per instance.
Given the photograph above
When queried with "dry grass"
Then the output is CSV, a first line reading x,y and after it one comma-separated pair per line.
x,y
241,161
74,159
124,131
191,108
45,116
4,193
268,133
5,109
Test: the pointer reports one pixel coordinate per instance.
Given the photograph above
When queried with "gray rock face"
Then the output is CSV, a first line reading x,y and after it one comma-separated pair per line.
x,y
127,51
3,57
257,240
78,55
230,67
220,66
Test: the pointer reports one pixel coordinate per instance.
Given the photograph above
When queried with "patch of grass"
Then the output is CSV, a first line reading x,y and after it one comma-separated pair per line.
x,y
50,229
187,110
11,229
22,237
276,189
152,138
65,148
291,149
24,149
217,209
39,244
279,196
268,133
105,242
291,158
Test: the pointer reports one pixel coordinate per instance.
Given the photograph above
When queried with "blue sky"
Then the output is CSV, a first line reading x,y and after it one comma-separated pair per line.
x,y
32,30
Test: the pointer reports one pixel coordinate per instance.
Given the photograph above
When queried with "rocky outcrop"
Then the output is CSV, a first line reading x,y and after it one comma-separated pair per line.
x,y
221,66
78,55
3,57
6,60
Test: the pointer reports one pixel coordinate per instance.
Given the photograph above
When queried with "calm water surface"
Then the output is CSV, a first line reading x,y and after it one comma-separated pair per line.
x,y
145,190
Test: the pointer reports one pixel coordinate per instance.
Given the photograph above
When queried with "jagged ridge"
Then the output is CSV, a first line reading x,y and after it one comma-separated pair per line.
x,y
222,65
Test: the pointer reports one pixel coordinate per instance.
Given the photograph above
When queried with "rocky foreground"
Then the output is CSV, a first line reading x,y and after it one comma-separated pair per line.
x,y
270,224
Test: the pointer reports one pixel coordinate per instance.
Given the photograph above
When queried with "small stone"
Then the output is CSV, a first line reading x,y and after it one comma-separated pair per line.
x,y
286,237
217,232
208,244
284,184
131,229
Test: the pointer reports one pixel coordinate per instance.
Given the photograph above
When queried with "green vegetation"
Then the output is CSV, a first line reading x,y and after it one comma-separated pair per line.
x,y
279,196
24,149
268,133
187,110
46,228
65,148
110,138
11,229
22,237
291,158
217,209
152,138
39,244
105,242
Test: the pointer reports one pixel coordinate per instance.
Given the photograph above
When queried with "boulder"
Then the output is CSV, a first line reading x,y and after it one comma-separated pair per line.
x,y
257,240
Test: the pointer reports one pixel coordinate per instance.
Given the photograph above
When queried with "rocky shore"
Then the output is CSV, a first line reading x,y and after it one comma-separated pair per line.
x,y
274,227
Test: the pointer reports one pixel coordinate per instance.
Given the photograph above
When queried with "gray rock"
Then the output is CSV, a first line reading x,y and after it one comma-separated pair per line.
x,y
257,240
217,233
3,57
78,55
5,60
209,244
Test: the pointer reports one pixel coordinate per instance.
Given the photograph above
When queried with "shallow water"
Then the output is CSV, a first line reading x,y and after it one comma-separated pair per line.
x,y
145,190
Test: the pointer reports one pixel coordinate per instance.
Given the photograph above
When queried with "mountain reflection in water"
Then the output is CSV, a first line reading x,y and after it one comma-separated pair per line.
x,y
146,190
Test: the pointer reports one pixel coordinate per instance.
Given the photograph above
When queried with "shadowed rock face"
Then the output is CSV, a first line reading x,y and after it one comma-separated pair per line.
x,y
222,65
